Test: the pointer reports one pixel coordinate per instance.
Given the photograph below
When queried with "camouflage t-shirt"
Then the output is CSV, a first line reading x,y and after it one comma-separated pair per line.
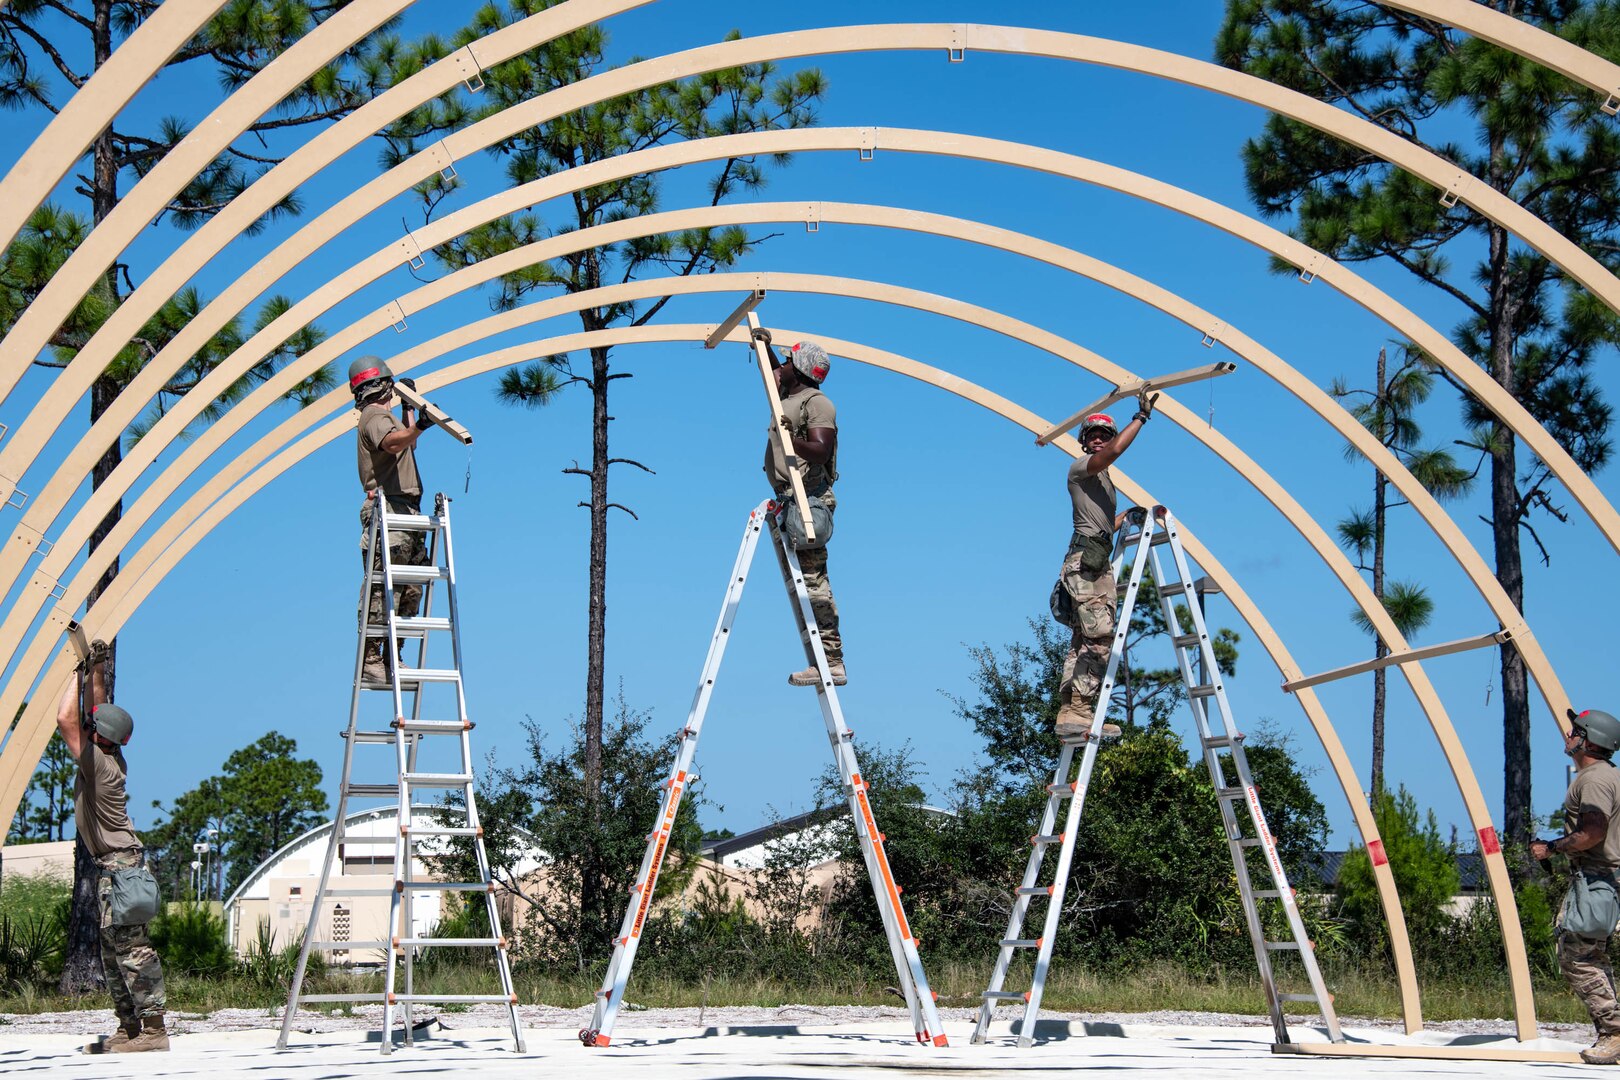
x,y
806,408
394,473
1596,787
1093,499
100,804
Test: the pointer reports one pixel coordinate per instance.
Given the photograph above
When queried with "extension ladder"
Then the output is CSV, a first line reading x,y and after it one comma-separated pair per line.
x,y
902,945
1200,674
407,735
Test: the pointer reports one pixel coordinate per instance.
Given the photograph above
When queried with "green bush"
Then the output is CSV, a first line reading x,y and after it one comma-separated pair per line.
x,y
1425,870
191,938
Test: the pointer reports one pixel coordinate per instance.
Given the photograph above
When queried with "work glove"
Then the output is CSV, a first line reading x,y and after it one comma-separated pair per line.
x,y
1144,406
407,382
423,423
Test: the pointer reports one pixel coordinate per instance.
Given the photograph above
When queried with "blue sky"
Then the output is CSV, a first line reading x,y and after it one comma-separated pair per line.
x,y
951,522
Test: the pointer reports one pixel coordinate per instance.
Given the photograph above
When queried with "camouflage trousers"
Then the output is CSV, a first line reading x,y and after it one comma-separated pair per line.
x,y
1585,964
813,562
405,548
1096,602
134,972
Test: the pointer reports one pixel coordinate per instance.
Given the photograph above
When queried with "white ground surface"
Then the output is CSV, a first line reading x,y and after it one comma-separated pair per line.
x,y
797,1042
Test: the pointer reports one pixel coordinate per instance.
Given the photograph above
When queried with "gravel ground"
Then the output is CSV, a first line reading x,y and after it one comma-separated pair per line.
x,y
94,1021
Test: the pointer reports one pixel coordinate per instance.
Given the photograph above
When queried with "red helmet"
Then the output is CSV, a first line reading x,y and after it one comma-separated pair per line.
x,y
1098,420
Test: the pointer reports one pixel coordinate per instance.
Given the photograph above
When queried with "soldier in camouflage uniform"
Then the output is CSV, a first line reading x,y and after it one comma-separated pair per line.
x,y
387,461
100,807
1592,841
1087,575
815,444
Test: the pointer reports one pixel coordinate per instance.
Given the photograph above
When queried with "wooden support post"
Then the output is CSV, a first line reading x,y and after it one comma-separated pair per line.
x,y
1500,637
433,413
719,333
1125,390
784,431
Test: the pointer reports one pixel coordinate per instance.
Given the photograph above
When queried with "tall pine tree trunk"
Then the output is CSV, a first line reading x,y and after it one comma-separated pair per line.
x,y
591,899
1380,647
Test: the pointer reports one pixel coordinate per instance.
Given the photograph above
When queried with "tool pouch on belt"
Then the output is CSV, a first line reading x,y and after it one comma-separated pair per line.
x,y
1591,906
793,524
133,896
1062,605
1096,552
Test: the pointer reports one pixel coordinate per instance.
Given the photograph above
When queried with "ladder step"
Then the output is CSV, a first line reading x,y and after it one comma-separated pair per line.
x,y
1222,742
455,942
1280,946
410,628
345,946
362,738
1060,791
1161,537
1267,894
1049,838
450,886
422,675
389,840
1231,793
1021,943
374,791
418,575
317,999
1248,841
443,780
1207,690
446,830
1035,890
434,727
1184,641
456,999
405,522
1312,998
995,995
354,890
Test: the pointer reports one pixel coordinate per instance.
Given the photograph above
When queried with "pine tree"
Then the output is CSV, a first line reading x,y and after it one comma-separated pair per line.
x,y
1519,127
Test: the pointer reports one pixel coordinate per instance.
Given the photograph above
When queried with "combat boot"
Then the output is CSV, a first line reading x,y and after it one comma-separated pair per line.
x,y
153,1036
111,1044
1074,722
1606,1051
811,677
375,667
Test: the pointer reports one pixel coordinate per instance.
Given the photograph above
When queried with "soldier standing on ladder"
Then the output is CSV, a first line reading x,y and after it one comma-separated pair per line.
x,y
1592,842
1087,568
387,462
815,442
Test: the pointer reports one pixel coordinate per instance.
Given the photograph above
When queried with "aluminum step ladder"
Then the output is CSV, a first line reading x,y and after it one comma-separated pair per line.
x,y
422,687
902,944
1196,660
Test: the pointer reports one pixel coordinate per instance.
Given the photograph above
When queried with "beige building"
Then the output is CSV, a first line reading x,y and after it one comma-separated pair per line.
x,y
279,892
53,858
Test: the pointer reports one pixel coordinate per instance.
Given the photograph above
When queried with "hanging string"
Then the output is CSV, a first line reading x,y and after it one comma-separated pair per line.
x,y
466,485
1211,404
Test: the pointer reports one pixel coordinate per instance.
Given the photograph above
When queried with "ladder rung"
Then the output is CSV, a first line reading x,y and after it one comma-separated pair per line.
x,y
401,522
374,791
1248,841
1049,838
1060,791
434,727
446,830
317,999
367,839
1003,995
418,575
444,780
451,886
1231,793
1277,946
1035,890
1221,742
1161,537
1312,998
455,942
421,675
345,946
1207,690
420,624
1184,641
364,737
353,890
1021,943
1266,894
457,999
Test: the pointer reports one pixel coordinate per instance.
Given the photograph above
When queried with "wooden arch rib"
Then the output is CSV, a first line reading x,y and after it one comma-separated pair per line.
x,y
43,585
1325,548
225,492
52,308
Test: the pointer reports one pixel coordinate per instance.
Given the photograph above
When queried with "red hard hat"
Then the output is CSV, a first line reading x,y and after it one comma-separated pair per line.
x,y
1098,420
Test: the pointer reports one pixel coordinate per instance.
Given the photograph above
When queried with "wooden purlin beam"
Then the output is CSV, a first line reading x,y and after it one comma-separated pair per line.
x,y
1406,656
439,417
1120,393
211,505
750,302
782,430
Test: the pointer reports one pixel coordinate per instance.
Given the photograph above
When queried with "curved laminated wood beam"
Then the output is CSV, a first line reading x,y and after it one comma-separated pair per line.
x,y
101,500
953,38
86,114
228,490
147,199
156,189
1531,42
